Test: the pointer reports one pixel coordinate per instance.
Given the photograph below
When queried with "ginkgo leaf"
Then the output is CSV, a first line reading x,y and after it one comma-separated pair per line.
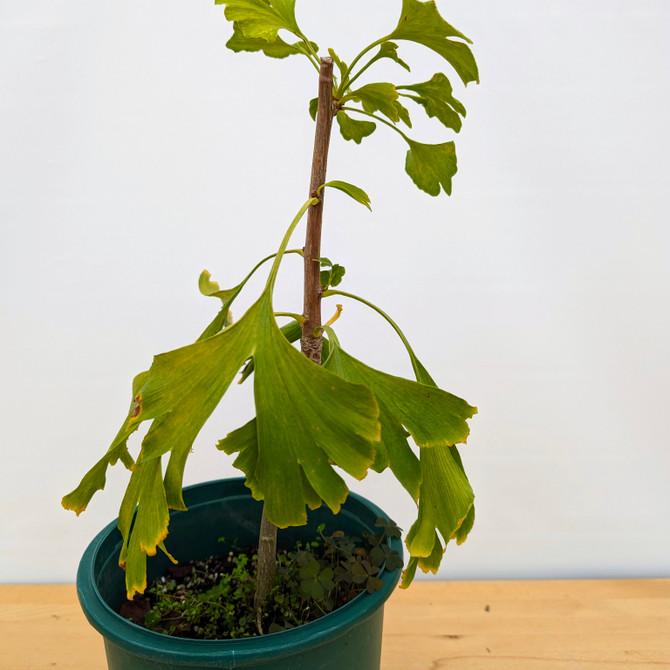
x,y
307,418
437,421
355,192
150,526
292,331
353,129
333,276
431,416
276,48
211,288
341,65
466,525
420,22
179,393
403,113
436,96
427,564
431,166
390,50
244,442
432,562
445,500
95,479
261,19
376,97
313,108
185,385
398,454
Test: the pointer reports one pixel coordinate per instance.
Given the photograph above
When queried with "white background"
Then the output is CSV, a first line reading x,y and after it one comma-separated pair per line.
x,y
136,150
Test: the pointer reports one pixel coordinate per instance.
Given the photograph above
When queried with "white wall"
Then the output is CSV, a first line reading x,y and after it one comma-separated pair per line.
x,y
135,150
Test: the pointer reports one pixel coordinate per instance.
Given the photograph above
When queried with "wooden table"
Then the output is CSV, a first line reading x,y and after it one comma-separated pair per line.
x,y
530,625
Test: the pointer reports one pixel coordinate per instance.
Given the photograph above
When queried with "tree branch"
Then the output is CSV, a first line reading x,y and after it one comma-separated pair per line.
x,y
310,345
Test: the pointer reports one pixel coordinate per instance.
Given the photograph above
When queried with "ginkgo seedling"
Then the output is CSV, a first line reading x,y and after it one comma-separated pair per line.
x,y
320,410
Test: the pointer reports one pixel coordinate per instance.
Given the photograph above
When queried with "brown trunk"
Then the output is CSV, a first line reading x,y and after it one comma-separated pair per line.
x,y
310,345
265,575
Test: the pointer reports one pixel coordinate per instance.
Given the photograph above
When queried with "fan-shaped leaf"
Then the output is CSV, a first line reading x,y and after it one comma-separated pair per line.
x,y
420,22
445,501
276,48
377,97
307,419
390,50
431,166
261,18
436,96
353,129
433,417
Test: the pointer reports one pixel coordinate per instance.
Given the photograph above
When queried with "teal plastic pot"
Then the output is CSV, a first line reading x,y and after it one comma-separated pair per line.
x,y
348,638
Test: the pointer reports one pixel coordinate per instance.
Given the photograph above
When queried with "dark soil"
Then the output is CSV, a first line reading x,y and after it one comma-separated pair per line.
x,y
186,580
214,598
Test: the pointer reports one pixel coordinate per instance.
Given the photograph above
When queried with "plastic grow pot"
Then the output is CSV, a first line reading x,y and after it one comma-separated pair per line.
x,y
349,637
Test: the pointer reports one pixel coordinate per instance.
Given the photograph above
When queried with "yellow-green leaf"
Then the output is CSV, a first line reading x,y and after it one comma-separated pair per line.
x,y
276,48
433,417
377,97
355,192
307,418
445,500
420,22
261,19
353,129
431,166
436,96
150,525
390,50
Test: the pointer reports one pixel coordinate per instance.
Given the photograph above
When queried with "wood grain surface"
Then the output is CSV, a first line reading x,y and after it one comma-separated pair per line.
x,y
529,625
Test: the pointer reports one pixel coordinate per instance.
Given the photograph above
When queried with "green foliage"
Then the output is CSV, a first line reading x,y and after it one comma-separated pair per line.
x,y
276,48
431,167
377,97
311,421
354,192
213,599
420,22
332,275
353,129
258,19
437,98
390,50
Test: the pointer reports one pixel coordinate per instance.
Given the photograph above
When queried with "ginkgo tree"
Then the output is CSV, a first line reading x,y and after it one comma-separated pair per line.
x,y
318,410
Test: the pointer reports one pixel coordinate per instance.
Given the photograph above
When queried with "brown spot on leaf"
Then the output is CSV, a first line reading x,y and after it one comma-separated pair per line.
x,y
138,406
